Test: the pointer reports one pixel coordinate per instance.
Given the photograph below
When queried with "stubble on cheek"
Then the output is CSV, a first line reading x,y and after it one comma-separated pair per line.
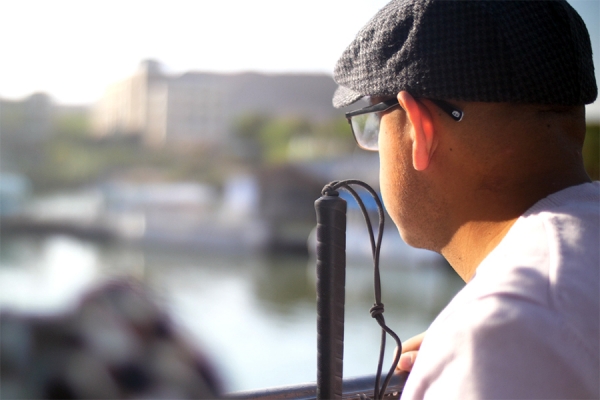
x,y
391,155
409,202
393,178
404,192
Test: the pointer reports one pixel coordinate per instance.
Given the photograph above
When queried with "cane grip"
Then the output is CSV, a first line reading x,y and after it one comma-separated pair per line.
x,y
331,283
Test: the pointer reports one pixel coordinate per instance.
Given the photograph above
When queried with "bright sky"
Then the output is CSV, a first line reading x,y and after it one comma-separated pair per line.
x,y
73,49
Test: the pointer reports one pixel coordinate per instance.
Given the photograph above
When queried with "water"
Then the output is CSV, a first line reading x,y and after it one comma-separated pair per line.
x,y
255,315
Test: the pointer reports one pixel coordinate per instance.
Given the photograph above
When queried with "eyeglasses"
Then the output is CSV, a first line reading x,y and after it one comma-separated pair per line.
x,y
365,121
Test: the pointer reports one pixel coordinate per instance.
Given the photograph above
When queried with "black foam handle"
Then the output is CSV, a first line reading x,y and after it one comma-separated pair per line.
x,y
331,287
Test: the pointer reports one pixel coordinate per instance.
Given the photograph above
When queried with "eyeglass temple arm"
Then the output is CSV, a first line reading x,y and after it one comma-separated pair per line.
x,y
452,111
384,105
449,109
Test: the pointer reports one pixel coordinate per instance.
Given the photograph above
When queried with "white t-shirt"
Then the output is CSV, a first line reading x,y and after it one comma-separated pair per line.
x,y
527,326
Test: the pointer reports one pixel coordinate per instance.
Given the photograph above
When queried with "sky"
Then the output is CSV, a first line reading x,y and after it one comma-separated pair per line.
x,y
73,49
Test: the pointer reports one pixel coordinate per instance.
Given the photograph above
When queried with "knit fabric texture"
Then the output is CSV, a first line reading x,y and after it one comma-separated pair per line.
x,y
535,52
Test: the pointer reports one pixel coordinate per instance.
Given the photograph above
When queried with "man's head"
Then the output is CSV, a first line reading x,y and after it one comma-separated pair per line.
x,y
535,52
520,71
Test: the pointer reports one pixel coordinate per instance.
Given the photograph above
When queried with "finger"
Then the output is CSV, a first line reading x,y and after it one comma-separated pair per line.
x,y
414,343
407,360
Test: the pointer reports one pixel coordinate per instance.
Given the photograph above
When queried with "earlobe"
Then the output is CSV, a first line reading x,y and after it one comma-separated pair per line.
x,y
422,130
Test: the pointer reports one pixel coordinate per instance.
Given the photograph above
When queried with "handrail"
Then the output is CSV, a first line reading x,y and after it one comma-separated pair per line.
x,y
353,388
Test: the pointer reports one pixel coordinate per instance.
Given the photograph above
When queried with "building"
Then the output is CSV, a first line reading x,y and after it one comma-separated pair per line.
x,y
124,108
29,120
200,107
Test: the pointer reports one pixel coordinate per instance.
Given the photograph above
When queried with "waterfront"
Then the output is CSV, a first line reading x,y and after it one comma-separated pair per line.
x,y
253,314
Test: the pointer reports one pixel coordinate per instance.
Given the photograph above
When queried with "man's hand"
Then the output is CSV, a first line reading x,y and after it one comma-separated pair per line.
x,y
410,349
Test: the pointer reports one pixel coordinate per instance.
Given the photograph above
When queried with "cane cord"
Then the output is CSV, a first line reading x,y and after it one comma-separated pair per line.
x,y
377,309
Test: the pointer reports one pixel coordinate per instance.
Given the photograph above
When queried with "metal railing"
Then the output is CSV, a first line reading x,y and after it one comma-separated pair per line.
x,y
353,388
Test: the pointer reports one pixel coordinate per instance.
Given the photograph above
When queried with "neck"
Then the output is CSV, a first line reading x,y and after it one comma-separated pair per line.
x,y
471,244
483,228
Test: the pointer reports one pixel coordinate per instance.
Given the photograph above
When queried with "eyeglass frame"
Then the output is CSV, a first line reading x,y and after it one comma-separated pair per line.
x,y
455,113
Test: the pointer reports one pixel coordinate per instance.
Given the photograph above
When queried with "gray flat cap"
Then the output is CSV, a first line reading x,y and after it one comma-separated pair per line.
x,y
535,52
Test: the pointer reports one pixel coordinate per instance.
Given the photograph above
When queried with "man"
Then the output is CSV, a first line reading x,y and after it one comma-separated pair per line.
x,y
477,111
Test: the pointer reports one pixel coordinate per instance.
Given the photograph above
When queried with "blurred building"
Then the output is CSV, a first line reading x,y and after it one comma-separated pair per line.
x,y
125,107
24,125
27,120
200,108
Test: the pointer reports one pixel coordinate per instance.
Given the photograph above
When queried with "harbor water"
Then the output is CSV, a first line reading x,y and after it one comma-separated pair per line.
x,y
253,314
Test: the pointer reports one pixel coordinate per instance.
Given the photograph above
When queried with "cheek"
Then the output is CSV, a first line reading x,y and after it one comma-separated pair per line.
x,y
406,192
392,183
401,189
390,171
387,179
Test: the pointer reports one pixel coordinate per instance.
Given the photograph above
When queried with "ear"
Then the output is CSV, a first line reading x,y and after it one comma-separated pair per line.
x,y
423,130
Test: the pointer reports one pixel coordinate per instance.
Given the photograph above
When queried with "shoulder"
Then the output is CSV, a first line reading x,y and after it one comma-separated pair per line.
x,y
570,218
501,346
551,257
527,325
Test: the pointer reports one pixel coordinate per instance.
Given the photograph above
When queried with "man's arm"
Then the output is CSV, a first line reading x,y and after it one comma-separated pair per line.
x,y
502,347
